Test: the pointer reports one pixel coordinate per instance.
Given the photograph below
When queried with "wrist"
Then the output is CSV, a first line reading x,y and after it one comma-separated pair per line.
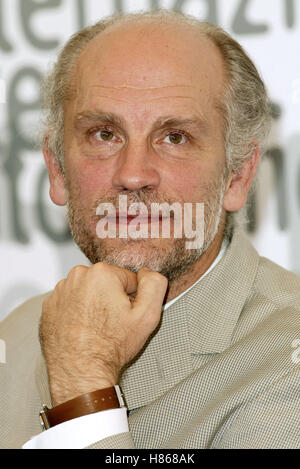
x,y
89,403
63,393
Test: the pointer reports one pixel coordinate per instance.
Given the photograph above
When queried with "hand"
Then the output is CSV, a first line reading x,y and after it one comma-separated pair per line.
x,y
91,326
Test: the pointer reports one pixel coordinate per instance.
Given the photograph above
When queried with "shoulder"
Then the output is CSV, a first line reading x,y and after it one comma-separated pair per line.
x,y
266,280
271,310
21,325
276,284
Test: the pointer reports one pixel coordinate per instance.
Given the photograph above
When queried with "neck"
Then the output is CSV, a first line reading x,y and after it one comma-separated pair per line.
x,y
197,269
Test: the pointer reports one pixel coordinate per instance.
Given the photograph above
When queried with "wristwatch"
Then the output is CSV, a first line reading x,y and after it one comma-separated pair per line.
x,y
90,403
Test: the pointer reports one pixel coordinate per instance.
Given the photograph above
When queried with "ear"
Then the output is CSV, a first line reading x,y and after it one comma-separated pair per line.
x,y
239,183
57,185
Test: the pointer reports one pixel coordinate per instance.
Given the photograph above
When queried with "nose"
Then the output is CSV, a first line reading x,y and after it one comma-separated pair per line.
x,y
136,169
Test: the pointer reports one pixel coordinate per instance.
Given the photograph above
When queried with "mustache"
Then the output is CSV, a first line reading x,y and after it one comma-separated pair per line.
x,y
139,196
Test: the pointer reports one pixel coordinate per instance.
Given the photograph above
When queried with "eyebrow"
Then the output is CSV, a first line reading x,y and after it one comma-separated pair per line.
x,y
87,118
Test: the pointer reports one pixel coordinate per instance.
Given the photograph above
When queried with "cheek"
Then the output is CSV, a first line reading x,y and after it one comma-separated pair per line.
x,y
186,181
90,182
195,182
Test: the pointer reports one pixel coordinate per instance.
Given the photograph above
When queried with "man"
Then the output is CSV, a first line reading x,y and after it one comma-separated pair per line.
x,y
160,108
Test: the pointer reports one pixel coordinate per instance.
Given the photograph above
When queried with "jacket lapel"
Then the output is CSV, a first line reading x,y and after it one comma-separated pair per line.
x,y
165,360
201,322
214,305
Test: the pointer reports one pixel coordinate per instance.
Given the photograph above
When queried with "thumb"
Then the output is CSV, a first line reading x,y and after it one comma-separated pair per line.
x,y
151,290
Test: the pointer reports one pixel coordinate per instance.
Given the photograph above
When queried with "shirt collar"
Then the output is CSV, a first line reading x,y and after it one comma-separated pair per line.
x,y
222,251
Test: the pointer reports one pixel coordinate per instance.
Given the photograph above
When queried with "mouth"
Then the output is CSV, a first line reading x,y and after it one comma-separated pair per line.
x,y
125,219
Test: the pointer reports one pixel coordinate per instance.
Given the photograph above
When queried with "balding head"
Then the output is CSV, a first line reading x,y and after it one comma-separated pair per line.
x,y
135,54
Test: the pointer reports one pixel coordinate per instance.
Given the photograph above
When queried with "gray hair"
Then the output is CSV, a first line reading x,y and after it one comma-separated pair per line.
x,y
245,105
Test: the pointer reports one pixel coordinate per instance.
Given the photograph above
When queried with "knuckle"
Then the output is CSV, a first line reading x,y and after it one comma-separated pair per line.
x,y
78,270
156,277
57,290
104,269
161,278
60,284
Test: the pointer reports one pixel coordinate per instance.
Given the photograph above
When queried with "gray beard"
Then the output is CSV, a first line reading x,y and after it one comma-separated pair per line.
x,y
132,254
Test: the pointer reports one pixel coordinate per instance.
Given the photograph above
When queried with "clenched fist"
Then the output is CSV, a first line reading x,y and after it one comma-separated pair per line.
x,y
91,327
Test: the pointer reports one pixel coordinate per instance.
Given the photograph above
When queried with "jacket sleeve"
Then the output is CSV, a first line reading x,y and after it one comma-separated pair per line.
x,y
120,441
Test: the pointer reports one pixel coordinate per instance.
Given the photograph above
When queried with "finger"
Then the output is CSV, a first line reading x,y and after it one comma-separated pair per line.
x,y
151,290
127,280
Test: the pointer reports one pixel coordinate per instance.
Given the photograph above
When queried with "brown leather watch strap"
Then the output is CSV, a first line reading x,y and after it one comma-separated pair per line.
x,y
96,401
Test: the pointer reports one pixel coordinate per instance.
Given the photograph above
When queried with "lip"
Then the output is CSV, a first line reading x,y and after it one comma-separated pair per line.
x,y
125,219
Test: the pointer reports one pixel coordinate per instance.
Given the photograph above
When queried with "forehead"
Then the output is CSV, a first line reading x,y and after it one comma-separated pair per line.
x,y
150,61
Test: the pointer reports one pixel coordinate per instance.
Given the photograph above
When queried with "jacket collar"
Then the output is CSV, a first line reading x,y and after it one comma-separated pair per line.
x,y
200,322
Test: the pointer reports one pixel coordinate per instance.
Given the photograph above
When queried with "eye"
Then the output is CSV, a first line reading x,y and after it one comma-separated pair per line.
x,y
177,138
103,135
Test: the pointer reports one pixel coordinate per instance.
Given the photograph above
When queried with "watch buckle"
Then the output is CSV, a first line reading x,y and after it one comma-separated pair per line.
x,y
43,418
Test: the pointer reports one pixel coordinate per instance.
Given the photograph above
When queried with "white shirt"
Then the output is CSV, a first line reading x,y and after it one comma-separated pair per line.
x,y
84,431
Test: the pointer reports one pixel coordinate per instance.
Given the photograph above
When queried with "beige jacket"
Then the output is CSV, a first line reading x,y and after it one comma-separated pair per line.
x,y
222,370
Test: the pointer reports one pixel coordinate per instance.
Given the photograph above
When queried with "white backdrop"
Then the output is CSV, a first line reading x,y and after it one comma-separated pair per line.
x,y
35,249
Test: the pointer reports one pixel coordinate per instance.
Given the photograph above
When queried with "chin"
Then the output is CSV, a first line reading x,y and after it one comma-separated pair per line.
x,y
136,253
133,256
